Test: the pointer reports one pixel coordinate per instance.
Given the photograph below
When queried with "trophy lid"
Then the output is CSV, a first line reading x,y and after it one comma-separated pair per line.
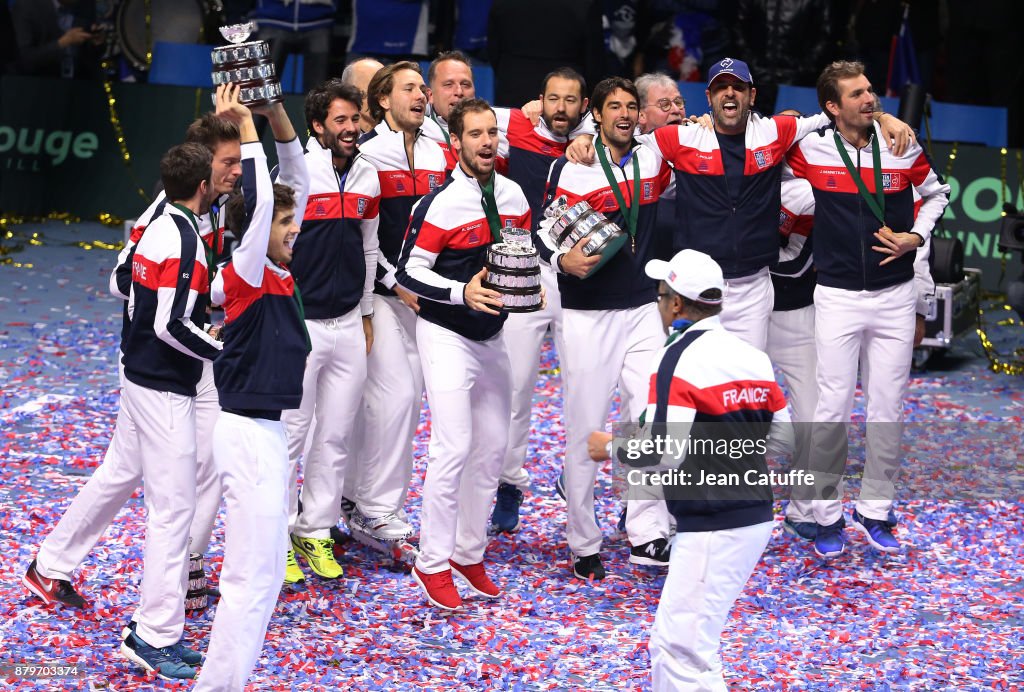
x,y
519,237
238,33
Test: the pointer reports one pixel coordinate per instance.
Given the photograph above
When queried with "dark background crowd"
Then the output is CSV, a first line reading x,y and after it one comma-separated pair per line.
x,y
965,51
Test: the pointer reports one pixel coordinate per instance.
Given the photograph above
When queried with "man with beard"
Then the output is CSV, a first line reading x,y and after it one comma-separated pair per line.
x,y
408,166
866,237
531,151
358,73
465,362
728,189
611,325
334,265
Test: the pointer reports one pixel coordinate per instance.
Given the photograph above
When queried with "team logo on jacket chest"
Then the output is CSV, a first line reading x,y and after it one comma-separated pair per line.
x,y
433,181
361,206
648,191
472,237
319,208
763,158
890,181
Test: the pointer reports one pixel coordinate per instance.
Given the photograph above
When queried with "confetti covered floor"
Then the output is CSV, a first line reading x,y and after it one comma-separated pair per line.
x,y
948,613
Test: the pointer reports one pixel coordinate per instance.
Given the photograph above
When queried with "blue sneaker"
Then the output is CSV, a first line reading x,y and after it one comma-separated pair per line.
x,y
829,541
189,656
878,533
164,661
506,508
807,530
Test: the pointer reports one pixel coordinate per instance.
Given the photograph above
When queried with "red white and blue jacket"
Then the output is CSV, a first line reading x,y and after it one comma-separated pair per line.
x,y
712,385
165,345
531,151
259,373
447,245
793,276
335,255
622,282
844,225
738,228
401,186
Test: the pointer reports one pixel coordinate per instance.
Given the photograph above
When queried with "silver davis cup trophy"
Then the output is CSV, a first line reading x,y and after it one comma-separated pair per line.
x,y
580,220
513,270
247,65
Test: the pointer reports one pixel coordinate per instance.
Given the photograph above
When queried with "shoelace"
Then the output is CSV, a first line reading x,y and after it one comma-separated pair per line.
x,y
290,560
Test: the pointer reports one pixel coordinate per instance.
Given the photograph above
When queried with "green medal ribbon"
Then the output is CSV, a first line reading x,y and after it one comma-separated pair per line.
x,y
877,201
211,268
629,213
447,138
491,209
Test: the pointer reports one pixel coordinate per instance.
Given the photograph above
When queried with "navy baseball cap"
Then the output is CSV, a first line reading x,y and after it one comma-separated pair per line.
x,y
737,68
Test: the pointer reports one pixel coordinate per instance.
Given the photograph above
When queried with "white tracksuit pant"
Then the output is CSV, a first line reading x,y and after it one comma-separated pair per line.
x,y
747,307
116,479
166,427
604,348
252,458
706,574
332,386
876,329
792,350
468,386
524,338
392,401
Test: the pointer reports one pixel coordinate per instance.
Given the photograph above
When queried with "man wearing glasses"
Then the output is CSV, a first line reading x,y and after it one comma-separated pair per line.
x,y
661,104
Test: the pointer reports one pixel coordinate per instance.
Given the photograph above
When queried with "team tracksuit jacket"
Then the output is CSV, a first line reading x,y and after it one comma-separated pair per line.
x,y
717,382
622,282
845,225
340,222
165,344
401,186
738,228
447,245
259,373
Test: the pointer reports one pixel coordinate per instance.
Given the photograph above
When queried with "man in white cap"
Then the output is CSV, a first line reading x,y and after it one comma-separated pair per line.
x,y
707,381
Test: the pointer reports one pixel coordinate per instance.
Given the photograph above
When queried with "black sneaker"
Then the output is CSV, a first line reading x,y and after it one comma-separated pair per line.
x,y
588,567
652,553
51,590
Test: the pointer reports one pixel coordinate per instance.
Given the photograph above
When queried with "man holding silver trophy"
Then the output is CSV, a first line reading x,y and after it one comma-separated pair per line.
x,y
458,334
611,325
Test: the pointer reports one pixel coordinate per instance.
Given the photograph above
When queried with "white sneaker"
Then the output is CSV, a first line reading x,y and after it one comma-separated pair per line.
x,y
384,528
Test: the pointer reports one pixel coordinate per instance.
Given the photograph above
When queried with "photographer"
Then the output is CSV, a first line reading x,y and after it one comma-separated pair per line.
x,y
57,39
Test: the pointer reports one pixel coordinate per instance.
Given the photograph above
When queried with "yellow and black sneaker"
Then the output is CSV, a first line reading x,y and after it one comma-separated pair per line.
x,y
292,572
319,553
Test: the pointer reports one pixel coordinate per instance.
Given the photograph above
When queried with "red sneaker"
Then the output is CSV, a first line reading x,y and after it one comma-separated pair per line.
x,y
51,590
439,588
477,578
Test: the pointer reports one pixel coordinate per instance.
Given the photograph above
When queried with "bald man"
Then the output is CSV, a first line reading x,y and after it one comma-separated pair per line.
x,y
358,73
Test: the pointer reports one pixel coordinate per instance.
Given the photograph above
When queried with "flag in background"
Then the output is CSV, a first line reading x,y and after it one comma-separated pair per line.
x,y
902,58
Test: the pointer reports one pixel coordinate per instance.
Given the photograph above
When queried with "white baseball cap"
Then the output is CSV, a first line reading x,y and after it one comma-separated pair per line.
x,y
689,274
